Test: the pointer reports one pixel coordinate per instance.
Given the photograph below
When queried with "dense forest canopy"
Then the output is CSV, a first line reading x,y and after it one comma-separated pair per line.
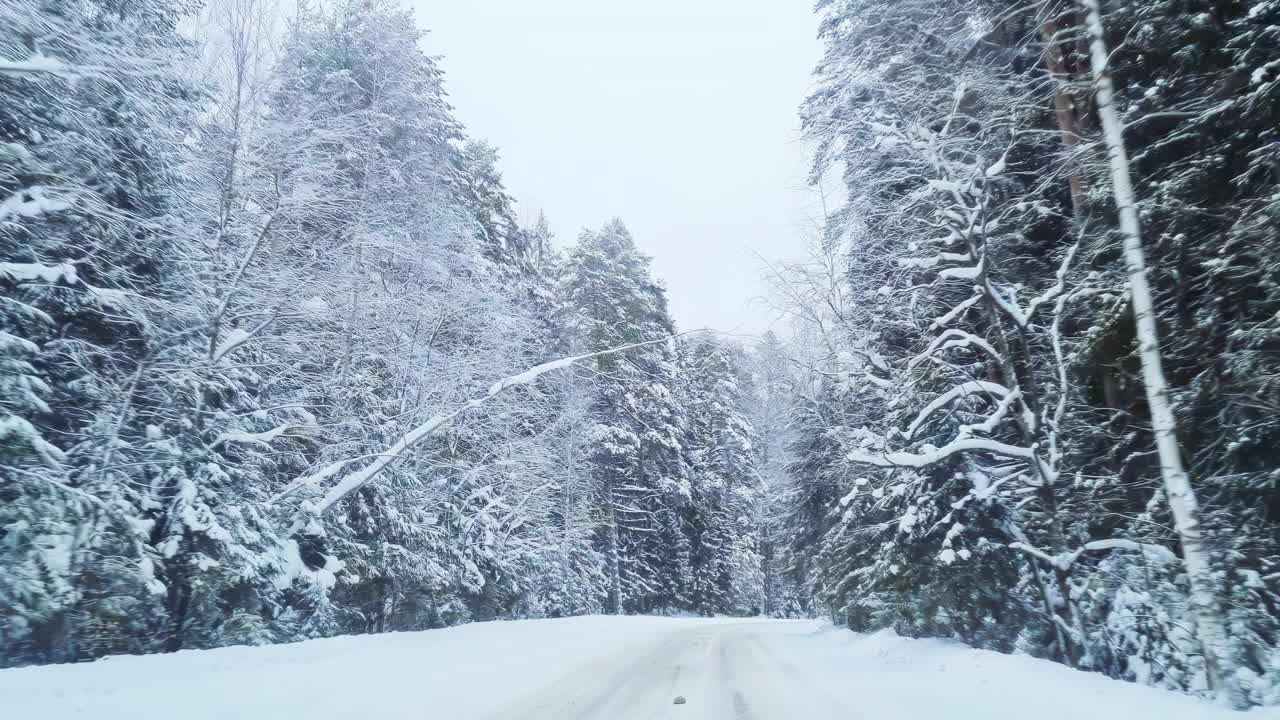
x,y
257,285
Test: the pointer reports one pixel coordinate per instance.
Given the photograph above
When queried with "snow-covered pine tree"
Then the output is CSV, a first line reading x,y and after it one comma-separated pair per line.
x,y
769,406
97,104
493,209
637,461
724,557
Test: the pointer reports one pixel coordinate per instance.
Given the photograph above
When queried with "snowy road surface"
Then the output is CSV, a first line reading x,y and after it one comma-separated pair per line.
x,y
725,671
588,668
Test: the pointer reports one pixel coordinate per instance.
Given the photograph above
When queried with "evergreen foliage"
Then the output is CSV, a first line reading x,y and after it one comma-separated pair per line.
x,y
248,319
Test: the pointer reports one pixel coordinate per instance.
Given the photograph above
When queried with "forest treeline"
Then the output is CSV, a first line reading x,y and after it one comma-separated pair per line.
x,y
1021,436
1026,395
236,270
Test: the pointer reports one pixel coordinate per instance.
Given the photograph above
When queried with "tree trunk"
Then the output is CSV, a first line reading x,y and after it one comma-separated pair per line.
x,y
1065,106
179,602
1177,485
1017,376
769,603
614,552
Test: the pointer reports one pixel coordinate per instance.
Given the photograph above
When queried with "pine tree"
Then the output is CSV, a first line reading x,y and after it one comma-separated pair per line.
x,y
725,565
769,407
491,206
610,299
101,298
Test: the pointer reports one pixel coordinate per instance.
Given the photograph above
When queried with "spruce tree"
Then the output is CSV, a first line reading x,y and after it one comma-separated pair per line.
x,y
638,464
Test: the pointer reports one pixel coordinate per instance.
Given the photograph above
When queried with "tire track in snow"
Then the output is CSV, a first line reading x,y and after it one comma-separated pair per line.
x,y
725,671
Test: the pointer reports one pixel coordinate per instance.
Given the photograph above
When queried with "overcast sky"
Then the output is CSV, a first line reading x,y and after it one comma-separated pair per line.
x,y
679,116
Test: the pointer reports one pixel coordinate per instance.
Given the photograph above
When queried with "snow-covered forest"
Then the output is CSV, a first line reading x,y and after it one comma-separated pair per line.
x,y
278,360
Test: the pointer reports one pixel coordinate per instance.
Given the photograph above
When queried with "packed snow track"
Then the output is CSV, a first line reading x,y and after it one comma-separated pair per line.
x,y
724,671
591,668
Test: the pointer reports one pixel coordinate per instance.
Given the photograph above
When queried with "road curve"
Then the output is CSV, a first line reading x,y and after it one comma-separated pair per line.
x,y
725,671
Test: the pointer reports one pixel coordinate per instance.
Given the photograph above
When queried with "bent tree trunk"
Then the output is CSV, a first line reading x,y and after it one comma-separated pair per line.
x,y
1177,485
311,512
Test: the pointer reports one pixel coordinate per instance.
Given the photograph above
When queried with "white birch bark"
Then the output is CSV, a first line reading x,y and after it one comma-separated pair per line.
x,y
1182,498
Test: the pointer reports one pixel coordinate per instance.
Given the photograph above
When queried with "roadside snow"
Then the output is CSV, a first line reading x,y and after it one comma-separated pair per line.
x,y
885,675
487,669
458,673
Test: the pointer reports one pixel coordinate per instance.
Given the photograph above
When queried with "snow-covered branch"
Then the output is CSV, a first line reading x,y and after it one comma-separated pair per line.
x,y
363,476
31,202
954,338
1065,561
968,389
933,456
36,64
35,272
957,311
260,438
994,419
1060,282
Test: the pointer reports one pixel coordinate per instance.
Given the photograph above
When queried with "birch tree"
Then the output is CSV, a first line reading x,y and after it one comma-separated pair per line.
x,y
1178,489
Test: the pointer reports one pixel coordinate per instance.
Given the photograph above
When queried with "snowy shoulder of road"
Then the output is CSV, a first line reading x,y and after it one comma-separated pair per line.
x,y
591,667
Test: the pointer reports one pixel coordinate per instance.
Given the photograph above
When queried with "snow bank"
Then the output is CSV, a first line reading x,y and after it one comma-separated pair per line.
x,y
885,675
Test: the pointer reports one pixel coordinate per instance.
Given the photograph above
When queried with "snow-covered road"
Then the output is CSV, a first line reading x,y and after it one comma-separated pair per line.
x,y
591,667
724,671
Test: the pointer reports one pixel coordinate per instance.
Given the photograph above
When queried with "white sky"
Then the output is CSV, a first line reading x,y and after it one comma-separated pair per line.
x,y
679,116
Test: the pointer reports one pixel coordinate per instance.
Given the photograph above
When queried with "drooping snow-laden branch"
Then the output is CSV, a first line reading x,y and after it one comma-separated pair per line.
x,y
1065,561
966,389
260,438
358,479
931,457
36,64
994,419
954,338
30,202
957,311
